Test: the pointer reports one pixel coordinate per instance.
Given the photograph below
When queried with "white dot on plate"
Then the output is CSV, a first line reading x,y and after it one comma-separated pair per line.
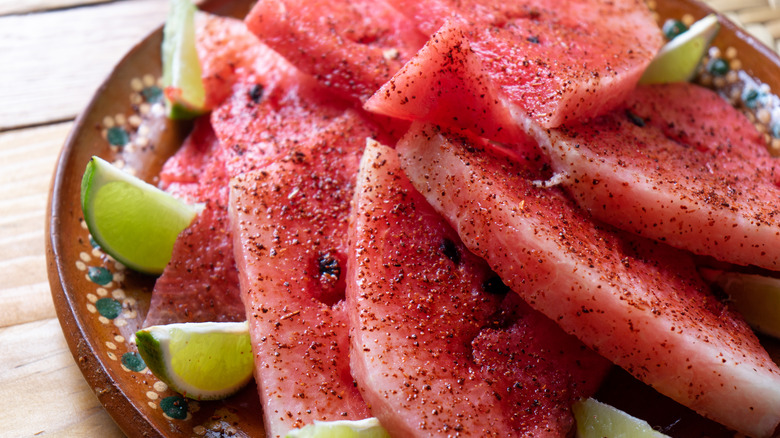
x,y
92,298
152,395
81,266
85,257
119,294
120,119
111,355
136,84
111,345
108,122
119,322
103,319
152,405
160,386
119,338
102,291
91,308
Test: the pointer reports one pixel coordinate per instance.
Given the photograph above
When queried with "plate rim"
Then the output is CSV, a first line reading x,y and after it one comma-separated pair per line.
x,y
124,412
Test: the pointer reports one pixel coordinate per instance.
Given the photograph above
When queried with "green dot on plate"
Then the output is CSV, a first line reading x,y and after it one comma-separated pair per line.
x,y
99,275
133,361
117,136
175,407
108,307
152,94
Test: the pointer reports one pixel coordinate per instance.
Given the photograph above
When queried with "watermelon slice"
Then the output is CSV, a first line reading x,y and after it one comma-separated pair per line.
x,y
636,302
352,46
200,282
439,347
550,61
678,164
272,107
290,237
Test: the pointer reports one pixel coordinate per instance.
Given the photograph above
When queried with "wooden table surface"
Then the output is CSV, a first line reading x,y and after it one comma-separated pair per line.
x,y
53,56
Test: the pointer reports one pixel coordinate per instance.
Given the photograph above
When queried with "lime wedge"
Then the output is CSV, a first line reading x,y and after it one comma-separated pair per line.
x,y
184,92
367,428
132,221
756,297
200,360
600,420
678,59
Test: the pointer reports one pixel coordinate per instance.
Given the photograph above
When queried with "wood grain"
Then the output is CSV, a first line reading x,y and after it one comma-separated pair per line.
x,y
43,390
27,6
54,61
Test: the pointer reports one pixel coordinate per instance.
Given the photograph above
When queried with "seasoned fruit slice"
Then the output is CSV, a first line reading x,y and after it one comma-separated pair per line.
x,y
638,303
352,46
289,225
678,164
439,344
551,61
271,109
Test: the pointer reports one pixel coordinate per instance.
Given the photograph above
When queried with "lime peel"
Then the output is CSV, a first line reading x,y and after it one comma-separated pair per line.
x,y
597,420
203,361
678,59
366,428
183,87
756,297
133,221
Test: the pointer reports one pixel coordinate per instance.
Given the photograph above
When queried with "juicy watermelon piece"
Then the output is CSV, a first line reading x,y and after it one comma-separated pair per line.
x,y
550,61
226,51
439,347
200,282
638,303
678,164
272,107
290,237
351,46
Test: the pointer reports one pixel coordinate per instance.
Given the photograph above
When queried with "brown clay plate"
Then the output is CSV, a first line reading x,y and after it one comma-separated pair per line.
x,y
100,304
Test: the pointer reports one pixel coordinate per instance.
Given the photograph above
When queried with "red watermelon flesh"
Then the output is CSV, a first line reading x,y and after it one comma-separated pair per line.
x,y
289,224
438,346
352,46
551,61
638,303
200,282
679,164
271,108
226,51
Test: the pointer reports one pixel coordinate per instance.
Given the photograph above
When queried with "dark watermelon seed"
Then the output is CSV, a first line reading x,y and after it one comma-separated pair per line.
x,y
108,307
256,93
672,28
635,119
718,67
133,361
117,136
534,39
175,407
450,250
99,275
495,286
329,266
